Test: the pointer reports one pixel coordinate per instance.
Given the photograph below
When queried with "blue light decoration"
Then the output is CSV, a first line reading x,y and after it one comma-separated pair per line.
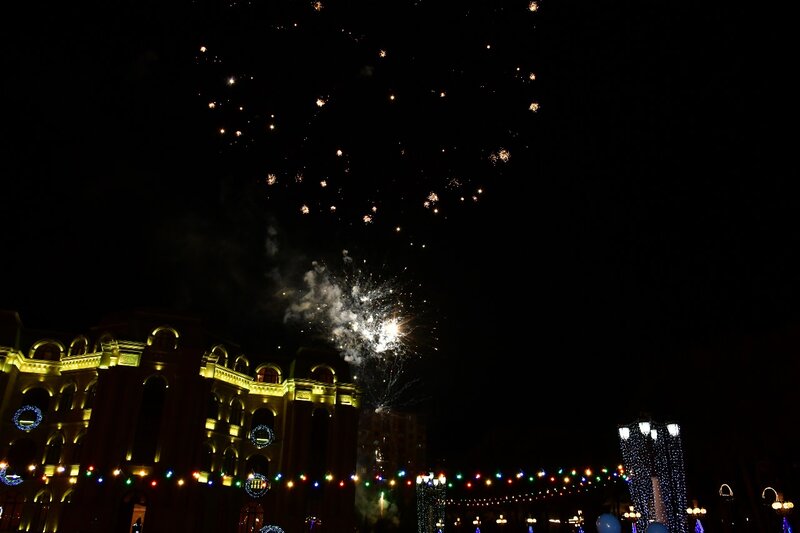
x,y
271,529
698,527
26,424
787,528
10,480
262,436
256,486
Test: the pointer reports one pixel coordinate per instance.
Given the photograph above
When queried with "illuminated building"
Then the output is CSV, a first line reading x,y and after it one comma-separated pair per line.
x,y
653,456
151,417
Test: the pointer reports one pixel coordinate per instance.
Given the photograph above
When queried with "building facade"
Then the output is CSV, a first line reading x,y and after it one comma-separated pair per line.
x,y
149,417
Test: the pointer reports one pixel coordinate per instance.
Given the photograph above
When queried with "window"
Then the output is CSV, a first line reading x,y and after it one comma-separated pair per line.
x,y
236,413
88,402
241,365
49,351
76,449
41,510
318,441
54,447
207,457
79,346
148,425
229,462
213,407
38,397
263,416
323,374
22,454
164,338
251,518
65,401
12,503
257,464
267,374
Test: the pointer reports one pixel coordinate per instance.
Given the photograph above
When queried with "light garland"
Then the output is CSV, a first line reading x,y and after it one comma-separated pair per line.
x,y
530,497
653,456
560,483
28,409
271,529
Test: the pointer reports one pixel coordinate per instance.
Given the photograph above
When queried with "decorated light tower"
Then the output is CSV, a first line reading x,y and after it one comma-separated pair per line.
x,y
430,503
653,457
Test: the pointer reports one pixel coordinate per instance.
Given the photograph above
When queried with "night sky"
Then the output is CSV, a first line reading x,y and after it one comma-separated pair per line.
x,y
595,201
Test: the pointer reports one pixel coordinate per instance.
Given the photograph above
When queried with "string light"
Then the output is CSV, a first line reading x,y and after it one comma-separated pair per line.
x,y
653,454
431,491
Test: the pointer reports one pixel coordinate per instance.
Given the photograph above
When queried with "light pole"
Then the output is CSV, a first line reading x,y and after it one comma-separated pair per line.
x,y
782,507
477,524
501,521
633,516
530,521
696,512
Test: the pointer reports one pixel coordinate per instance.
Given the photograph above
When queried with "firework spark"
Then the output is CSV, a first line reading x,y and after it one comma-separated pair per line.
x,y
366,319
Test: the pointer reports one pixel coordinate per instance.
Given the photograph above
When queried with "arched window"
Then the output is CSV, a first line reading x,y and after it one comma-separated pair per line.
x,y
41,510
79,346
12,503
88,402
242,364
21,455
267,374
65,401
213,407
251,517
236,412
148,425
54,446
323,374
47,350
77,447
105,339
229,462
257,464
164,338
207,457
38,397
263,416
318,442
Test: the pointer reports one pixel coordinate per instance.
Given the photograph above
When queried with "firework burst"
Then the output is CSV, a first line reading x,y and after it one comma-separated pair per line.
x,y
367,319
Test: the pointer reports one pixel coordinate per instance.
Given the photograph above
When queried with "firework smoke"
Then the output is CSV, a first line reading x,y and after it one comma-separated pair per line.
x,y
366,319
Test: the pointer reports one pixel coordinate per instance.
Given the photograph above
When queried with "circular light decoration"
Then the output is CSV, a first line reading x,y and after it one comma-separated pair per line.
x,y
262,436
256,486
27,417
10,480
271,529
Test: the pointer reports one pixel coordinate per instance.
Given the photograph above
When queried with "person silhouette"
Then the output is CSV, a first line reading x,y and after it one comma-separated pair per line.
x,y
137,526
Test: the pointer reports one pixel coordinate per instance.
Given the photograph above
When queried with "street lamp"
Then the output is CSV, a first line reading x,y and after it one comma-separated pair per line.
x,y
633,516
781,506
530,521
477,524
696,512
501,521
